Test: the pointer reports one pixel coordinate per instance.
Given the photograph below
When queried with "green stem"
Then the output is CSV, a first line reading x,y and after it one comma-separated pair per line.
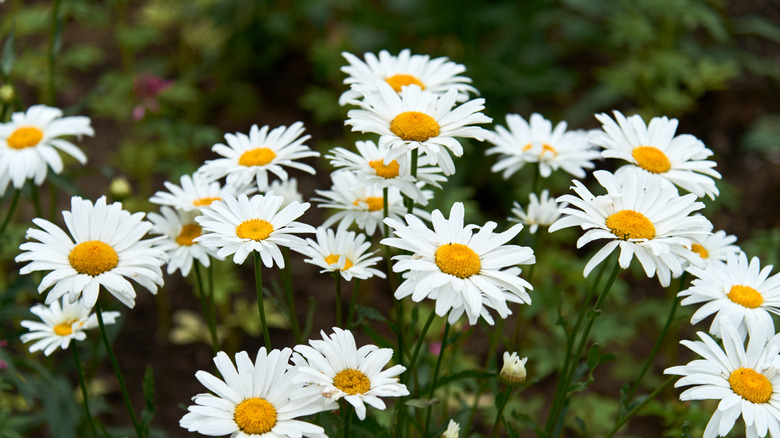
x,y
659,341
415,156
637,408
205,308
260,304
84,394
352,303
348,409
436,376
500,412
117,372
288,292
56,34
36,200
337,278
400,411
11,209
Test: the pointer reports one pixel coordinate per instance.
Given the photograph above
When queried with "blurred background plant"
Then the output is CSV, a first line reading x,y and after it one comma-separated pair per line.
x,y
164,79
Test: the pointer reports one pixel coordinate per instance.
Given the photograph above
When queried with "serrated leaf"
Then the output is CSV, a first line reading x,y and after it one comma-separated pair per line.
x,y
594,357
581,425
421,403
451,340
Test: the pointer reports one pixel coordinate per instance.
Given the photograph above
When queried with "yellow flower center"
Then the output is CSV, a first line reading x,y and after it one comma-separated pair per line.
x,y
386,171
352,382
745,296
205,202
630,224
651,159
93,258
257,157
375,203
414,126
24,137
255,416
700,250
188,233
63,329
334,258
400,80
751,385
458,260
547,148
255,229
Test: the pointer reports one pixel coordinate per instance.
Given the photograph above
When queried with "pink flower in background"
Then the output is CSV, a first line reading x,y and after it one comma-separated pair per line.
x,y
146,87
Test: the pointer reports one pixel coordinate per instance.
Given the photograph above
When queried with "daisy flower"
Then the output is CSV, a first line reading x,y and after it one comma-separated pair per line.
x,y
715,247
286,189
341,370
61,322
544,211
363,205
105,250
253,399
655,149
437,75
29,143
194,193
342,251
241,225
537,142
463,270
746,382
417,119
370,168
642,218
738,292
180,230
249,158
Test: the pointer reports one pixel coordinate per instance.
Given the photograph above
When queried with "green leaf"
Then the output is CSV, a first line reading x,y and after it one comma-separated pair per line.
x,y
451,340
581,425
7,60
148,390
594,357
421,403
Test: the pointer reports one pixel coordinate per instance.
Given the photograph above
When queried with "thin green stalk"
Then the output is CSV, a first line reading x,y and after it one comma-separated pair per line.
x,y
659,341
436,376
352,303
54,46
400,411
84,394
11,209
637,408
260,304
36,200
398,303
337,279
500,412
415,156
205,308
348,410
288,292
117,372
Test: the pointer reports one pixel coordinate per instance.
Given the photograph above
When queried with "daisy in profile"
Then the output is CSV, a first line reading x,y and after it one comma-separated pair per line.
x,y
363,205
179,231
716,247
29,144
253,399
370,168
241,225
249,158
344,252
536,141
194,193
341,370
416,119
463,268
738,293
438,75
745,381
60,323
642,218
654,148
104,248
541,212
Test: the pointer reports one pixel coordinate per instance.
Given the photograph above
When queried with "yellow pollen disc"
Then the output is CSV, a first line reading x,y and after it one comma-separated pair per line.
x,y
458,260
24,137
205,202
630,224
651,159
527,147
547,148
400,80
63,329
700,250
257,157
745,296
386,171
751,385
334,258
93,258
188,233
255,229
414,126
375,203
255,416
352,382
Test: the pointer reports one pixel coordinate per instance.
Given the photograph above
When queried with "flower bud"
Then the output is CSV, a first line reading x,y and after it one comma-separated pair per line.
x,y
7,93
120,188
452,430
513,371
